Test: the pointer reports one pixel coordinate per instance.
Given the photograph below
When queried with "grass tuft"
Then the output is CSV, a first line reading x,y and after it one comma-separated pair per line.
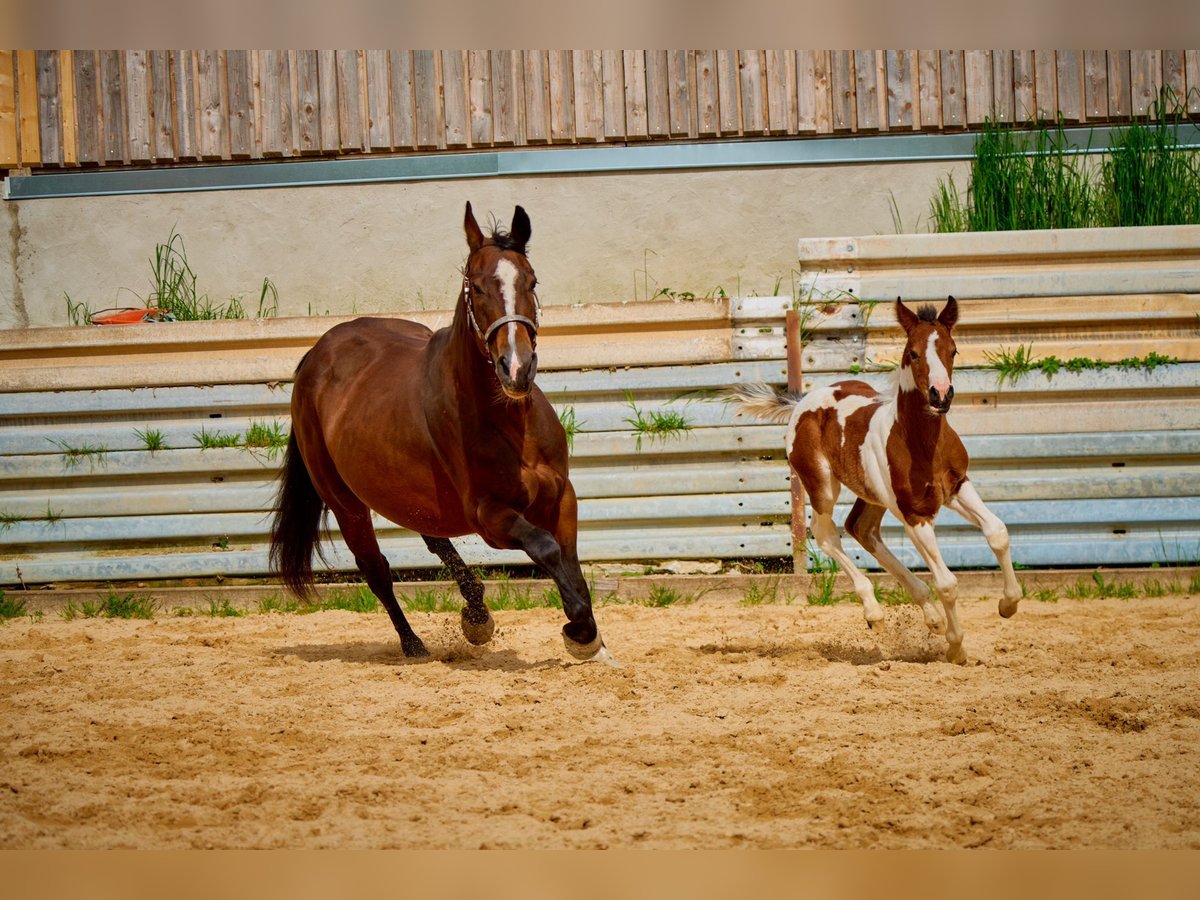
x,y
11,607
95,454
152,438
660,425
764,593
567,418
211,440
219,607
273,437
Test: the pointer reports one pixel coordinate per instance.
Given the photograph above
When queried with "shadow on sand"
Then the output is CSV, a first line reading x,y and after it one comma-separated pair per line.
x,y
387,653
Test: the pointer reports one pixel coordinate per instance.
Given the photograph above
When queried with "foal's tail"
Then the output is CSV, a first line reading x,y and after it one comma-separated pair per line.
x,y
763,401
296,530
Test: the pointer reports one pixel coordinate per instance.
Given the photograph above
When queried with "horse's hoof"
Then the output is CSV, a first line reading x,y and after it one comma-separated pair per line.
x,y
476,632
583,652
1008,608
414,648
934,620
957,655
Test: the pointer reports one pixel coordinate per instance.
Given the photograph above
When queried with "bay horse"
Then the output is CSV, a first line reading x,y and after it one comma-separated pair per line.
x,y
442,432
898,453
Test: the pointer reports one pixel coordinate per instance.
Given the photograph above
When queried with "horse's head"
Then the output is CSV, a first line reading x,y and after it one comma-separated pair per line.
x,y
928,360
498,290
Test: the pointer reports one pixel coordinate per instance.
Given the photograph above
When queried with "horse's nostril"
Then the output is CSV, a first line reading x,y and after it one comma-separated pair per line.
x,y
950,394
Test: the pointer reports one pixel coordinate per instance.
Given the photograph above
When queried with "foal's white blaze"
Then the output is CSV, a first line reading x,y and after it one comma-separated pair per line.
x,y
506,274
939,378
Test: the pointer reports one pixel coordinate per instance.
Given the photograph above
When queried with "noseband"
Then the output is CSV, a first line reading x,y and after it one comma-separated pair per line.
x,y
486,336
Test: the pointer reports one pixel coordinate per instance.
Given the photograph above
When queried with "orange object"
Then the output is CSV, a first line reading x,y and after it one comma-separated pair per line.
x,y
127,316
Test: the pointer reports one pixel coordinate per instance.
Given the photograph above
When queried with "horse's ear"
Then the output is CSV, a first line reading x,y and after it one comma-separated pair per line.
x,y
905,316
949,313
471,227
521,229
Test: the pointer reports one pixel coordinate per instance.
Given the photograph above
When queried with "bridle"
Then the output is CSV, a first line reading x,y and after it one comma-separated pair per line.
x,y
486,336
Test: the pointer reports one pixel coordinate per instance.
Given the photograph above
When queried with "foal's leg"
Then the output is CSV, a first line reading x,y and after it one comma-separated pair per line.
x,y
477,623
863,523
968,505
944,583
825,533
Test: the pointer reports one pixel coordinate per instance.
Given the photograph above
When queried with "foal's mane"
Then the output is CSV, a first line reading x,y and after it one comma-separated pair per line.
x,y
927,313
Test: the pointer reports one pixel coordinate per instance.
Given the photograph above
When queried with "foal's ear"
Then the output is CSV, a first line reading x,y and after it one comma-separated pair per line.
x,y
521,229
905,316
471,227
949,314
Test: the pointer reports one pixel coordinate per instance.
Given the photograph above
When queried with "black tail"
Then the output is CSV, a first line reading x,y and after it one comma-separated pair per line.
x,y
296,530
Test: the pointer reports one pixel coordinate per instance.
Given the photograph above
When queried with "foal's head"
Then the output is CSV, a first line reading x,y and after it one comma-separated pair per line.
x,y
928,360
498,289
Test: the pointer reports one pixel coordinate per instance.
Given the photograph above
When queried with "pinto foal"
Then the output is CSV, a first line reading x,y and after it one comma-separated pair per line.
x,y
896,451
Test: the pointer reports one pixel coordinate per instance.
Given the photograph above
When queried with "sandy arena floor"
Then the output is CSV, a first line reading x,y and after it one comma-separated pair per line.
x,y
1077,724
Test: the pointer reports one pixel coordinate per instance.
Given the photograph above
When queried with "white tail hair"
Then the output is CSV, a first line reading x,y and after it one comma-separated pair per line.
x,y
763,402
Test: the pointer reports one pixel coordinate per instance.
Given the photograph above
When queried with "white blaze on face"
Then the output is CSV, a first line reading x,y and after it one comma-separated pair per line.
x,y
939,378
506,274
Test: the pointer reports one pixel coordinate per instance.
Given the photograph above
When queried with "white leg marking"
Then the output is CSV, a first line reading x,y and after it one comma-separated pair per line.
x,y
968,504
917,589
946,585
825,532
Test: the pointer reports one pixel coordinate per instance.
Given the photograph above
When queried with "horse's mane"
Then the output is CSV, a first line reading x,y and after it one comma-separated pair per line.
x,y
502,239
927,313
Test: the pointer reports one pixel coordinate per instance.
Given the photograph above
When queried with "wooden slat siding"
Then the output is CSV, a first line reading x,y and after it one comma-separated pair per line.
x,y
841,88
900,89
1070,85
1120,85
977,66
1024,97
504,98
1095,84
454,98
750,83
160,105
27,108
658,89
1172,62
9,147
242,117
1145,67
1002,86
479,79
612,64
881,93
111,96
537,99
327,86
213,121
814,110
779,97
350,136
866,91
48,107
708,113
275,113
187,135
636,119
425,92
87,106
138,111
681,69
66,81
364,115
562,97
588,76
728,93
954,104
308,102
929,88
403,114
1191,66
1045,83
379,115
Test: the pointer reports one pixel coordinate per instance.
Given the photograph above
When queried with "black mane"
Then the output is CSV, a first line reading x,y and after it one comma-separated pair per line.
x,y
502,239
927,313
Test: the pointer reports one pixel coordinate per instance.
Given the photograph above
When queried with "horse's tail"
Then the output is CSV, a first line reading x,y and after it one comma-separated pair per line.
x,y
296,530
763,401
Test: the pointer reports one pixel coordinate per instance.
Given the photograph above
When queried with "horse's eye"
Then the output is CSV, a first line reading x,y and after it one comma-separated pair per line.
x,y
912,354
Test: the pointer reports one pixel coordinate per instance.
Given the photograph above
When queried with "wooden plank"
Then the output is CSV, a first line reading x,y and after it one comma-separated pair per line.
x,y
1070,85
881,93
707,106
779,97
814,114
841,88
115,129
981,103
454,97
379,101
1002,86
1045,80
636,119
728,100
1173,76
276,78
681,68
1145,69
1024,97
479,94
425,90
403,116
160,105
349,118
900,88
954,105
562,97
588,75
9,145
1191,67
27,108
187,134
1120,85
213,120
242,116
49,108
1095,84
658,103
327,86
929,88
750,83
308,102
537,97
504,98
866,91
66,79
612,65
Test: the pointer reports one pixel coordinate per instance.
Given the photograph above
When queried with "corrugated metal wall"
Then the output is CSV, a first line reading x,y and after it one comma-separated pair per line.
x,y
1099,467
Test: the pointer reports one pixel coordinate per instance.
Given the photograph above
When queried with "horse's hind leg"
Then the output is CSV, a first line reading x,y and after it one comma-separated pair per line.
x,y
825,533
477,623
944,582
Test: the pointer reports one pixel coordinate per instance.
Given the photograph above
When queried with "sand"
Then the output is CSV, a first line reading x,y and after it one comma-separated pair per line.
x,y
1076,724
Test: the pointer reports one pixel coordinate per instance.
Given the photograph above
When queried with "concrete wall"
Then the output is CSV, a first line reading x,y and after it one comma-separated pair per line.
x,y
394,247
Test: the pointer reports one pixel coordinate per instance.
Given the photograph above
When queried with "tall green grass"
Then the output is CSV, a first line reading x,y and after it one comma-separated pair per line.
x,y
1148,178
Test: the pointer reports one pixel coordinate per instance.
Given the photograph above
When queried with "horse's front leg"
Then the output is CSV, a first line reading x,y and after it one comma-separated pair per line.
x,y
503,526
477,623
944,583
968,504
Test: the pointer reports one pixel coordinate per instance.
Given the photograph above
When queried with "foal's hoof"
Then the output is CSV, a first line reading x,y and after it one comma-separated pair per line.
x,y
413,647
957,655
934,620
1008,608
475,629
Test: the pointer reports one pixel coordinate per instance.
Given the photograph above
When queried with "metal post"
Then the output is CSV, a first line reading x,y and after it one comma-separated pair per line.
x,y
795,376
